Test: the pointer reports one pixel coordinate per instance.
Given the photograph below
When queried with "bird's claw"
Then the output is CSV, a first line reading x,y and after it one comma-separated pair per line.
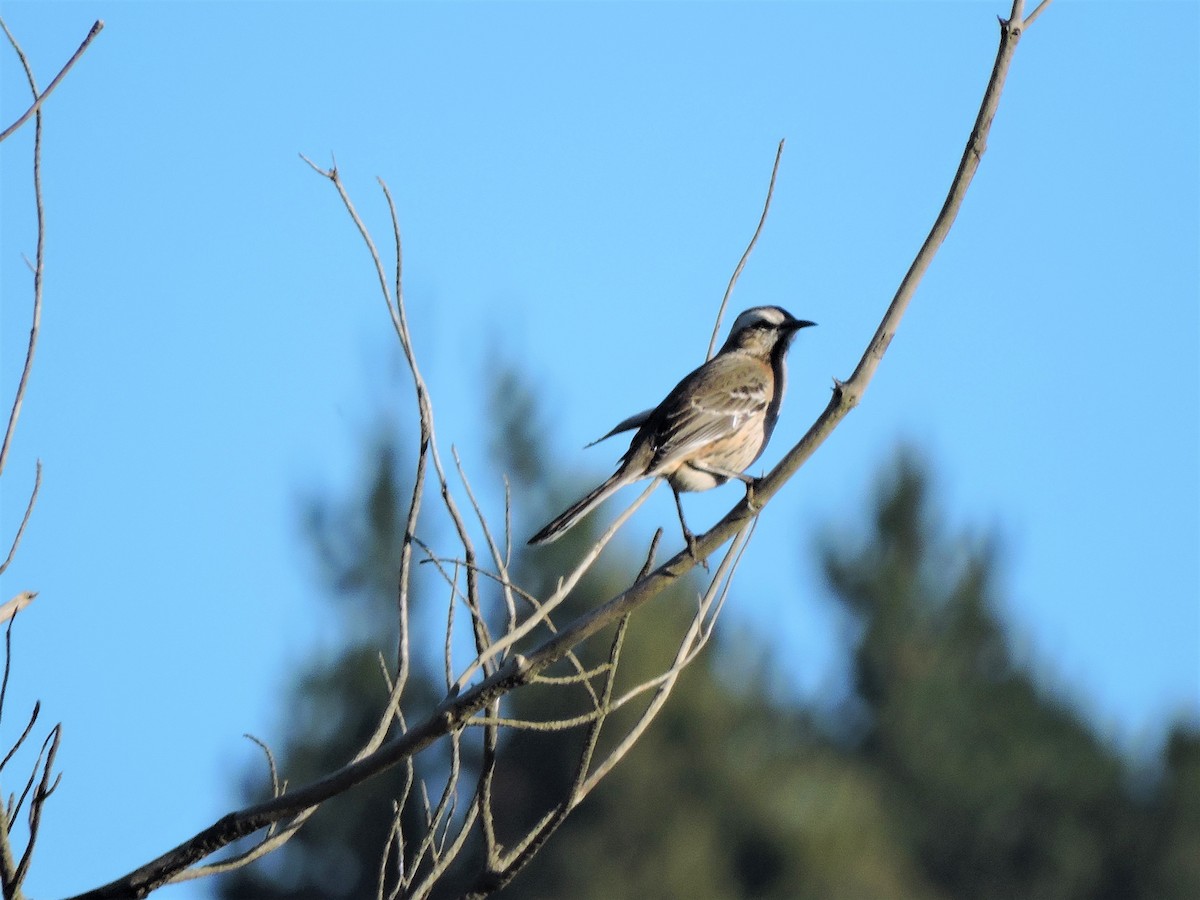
x,y
751,485
691,545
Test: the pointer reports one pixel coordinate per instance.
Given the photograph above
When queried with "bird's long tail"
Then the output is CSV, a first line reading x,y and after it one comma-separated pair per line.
x,y
579,509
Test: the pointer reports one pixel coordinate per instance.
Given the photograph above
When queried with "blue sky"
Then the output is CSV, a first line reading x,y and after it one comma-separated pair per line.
x,y
575,184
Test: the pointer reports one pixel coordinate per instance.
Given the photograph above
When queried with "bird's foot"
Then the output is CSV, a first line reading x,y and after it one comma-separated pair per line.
x,y
751,487
692,552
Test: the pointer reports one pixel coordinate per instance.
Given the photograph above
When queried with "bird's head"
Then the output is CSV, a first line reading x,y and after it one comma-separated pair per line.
x,y
761,329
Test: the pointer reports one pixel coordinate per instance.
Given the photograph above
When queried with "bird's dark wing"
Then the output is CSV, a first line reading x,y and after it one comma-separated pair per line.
x,y
711,403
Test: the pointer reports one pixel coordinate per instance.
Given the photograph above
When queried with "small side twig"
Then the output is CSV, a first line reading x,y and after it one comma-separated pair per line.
x,y
12,550
97,27
712,343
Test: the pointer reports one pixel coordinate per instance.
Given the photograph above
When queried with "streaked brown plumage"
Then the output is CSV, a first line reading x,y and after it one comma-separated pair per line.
x,y
714,424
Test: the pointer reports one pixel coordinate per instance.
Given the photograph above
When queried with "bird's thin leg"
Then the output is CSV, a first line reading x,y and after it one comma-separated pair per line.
x,y
751,483
687,532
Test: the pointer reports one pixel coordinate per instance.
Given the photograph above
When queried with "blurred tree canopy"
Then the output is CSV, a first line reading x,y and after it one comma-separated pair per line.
x,y
951,773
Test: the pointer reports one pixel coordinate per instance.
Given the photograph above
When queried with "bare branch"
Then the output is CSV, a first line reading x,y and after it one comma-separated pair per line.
x,y
39,265
693,641
498,559
448,855
566,585
502,578
483,638
8,663
274,838
97,27
434,818
8,863
394,841
500,872
12,550
272,769
1029,19
712,343
33,717
40,795
450,607
487,776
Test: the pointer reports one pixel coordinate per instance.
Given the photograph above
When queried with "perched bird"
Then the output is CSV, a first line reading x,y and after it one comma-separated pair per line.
x,y
714,424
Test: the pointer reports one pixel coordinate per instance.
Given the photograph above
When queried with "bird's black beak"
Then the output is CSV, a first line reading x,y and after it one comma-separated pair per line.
x,y
797,324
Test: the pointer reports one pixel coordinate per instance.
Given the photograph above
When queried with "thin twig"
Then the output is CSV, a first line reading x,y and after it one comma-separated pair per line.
x,y
483,637
399,318
502,579
423,890
395,840
39,256
7,663
546,726
499,873
97,27
33,717
502,871
712,343
448,653
560,593
487,776
44,789
578,678
433,817
691,644
37,485
276,836
498,558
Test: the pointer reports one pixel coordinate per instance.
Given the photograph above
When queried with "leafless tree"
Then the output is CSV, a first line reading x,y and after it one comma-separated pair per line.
x,y
528,647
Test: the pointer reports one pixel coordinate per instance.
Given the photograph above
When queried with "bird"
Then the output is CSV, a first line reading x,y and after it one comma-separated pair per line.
x,y
713,425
